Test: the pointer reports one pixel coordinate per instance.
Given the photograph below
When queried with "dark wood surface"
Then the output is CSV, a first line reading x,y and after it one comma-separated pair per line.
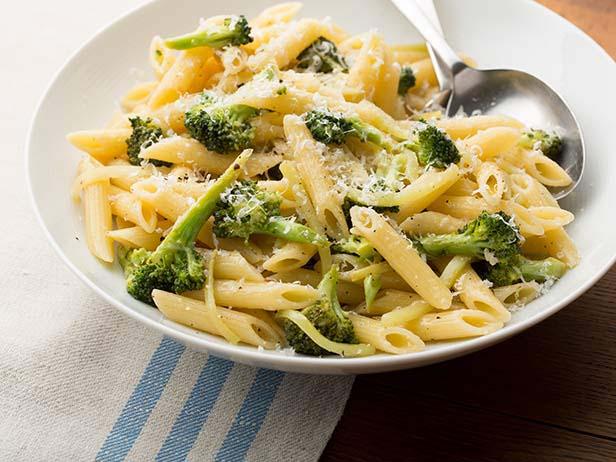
x,y
548,394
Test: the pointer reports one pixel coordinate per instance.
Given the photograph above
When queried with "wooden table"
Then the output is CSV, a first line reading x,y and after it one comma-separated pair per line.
x,y
548,394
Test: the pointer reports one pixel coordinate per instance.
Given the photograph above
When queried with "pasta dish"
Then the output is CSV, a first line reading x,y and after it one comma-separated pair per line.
x,y
282,183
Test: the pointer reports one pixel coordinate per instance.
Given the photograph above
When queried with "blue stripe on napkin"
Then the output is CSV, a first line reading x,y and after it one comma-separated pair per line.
x,y
137,409
250,417
195,411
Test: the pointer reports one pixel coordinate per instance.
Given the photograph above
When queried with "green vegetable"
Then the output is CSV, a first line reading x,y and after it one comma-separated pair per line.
x,y
321,56
234,31
372,285
518,268
245,209
549,143
335,128
407,80
326,315
219,127
355,245
145,133
175,266
433,147
490,232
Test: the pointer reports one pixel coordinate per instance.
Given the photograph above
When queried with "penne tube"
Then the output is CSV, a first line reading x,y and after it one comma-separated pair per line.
x,y
135,237
97,174
127,206
98,220
277,14
179,150
454,269
477,296
402,315
492,183
348,293
425,190
518,294
193,313
291,256
282,50
318,184
462,207
137,95
455,324
366,69
401,255
545,170
424,73
553,243
425,223
188,74
390,339
269,296
463,127
494,141
230,264
103,145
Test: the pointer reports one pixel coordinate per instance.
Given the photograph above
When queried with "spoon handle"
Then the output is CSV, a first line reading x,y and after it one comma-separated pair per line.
x,y
442,72
418,18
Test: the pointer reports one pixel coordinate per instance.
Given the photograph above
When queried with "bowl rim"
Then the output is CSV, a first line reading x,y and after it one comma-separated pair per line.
x,y
296,363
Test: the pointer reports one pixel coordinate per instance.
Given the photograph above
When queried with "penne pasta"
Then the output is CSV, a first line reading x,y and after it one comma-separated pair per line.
x,y
390,339
192,313
455,324
401,255
289,169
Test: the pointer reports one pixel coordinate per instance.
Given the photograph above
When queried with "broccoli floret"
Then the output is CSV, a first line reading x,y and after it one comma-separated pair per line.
x,y
550,144
372,285
326,315
377,195
433,147
489,232
234,31
221,128
145,133
517,268
245,209
355,245
397,170
407,80
334,128
175,265
321,56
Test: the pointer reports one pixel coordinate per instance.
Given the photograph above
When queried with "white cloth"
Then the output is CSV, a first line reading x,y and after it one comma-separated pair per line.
x,y
78,380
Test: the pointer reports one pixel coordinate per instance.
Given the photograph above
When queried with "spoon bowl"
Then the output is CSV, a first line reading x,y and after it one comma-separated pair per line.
x,y
528,99
505,92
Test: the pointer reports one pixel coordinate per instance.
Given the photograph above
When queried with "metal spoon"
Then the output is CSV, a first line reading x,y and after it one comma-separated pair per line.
x,y
443,75
506,92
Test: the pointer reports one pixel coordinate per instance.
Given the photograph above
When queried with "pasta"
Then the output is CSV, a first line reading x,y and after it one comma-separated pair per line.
x,y
278,182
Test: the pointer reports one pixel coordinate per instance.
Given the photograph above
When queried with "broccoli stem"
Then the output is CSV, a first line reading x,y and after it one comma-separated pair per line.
x,y
451,244
540,270
367,132
372,285
294,232
186,229
327,290
199,39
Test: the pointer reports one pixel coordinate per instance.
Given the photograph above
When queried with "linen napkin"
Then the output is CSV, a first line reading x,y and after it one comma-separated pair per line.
x,y
78,380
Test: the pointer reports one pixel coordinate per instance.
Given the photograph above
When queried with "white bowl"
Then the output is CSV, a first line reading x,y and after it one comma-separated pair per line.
x,y
507,33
